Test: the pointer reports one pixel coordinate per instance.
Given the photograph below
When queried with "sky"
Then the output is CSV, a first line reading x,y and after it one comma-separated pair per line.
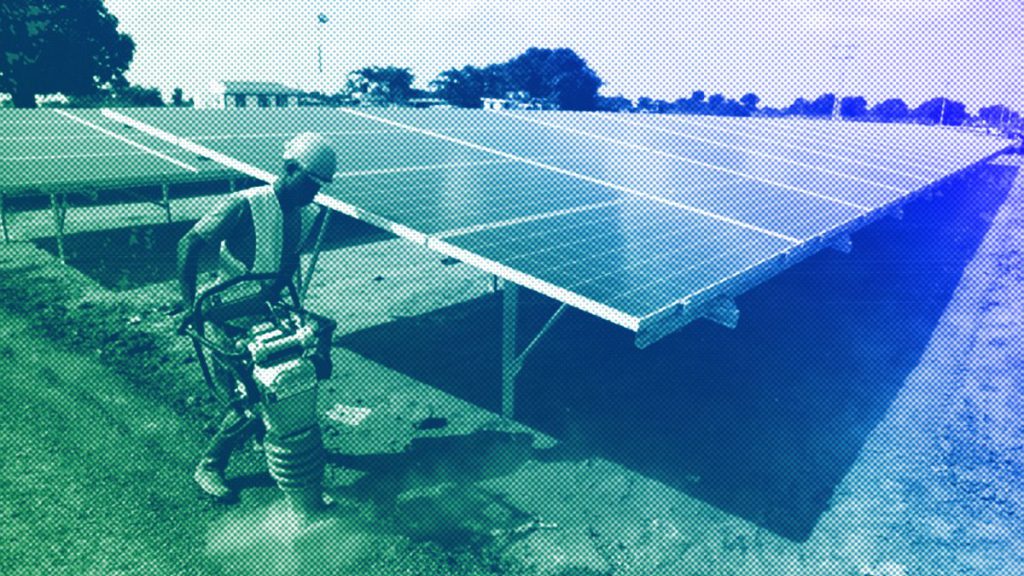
x,y
967,50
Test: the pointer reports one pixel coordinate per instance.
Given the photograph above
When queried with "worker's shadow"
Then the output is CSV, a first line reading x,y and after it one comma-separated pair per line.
x,y
432,490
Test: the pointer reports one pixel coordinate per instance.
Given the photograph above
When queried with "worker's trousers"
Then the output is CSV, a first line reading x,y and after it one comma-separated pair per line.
x,y
234,430
237,426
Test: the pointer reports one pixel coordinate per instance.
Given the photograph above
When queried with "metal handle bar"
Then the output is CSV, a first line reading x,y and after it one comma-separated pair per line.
x,y
217,289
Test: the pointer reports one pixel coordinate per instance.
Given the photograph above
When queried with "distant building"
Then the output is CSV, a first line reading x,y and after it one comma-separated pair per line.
x,y
426,102
230,94
497,103
518,101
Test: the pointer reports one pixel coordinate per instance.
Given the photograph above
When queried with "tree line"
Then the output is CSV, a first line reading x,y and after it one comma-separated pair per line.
x,y
74,48
559,78
933,111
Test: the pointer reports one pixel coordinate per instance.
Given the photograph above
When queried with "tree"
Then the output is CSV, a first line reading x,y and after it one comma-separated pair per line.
x,y
948,112
178,99
853,107
380,85
891,110
120,95
734,108
559,76
997,115
799,107
467,86
715,101
653,106
750,101
692,105
614,104
51,46
141,96
822,105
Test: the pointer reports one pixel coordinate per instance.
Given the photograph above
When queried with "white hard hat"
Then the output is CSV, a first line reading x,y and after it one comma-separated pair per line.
x,y
314,154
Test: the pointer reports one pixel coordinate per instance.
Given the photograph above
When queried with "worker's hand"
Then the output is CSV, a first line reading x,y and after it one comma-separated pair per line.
x,y
185,324
183,309
322,365
177,307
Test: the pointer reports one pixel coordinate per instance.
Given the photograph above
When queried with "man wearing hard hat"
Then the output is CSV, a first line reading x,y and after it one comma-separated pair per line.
x,y
260,230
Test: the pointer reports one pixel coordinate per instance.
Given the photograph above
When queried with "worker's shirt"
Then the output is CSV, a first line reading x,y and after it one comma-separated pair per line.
x,y
232,225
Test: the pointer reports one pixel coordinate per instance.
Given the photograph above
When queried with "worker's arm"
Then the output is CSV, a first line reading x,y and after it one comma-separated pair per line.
x,y
209,231
189,249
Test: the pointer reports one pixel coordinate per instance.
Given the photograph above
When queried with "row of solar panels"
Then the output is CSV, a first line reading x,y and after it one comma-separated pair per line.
x,y
646,221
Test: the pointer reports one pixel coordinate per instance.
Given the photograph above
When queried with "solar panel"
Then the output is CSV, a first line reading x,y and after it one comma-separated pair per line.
x,y
646,221
65,149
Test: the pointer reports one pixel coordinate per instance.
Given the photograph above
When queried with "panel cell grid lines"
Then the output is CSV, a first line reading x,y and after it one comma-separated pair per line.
x,y
639,219
68,149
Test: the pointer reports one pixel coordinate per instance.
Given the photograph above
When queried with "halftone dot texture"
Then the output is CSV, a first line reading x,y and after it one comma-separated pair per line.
x,y
711,451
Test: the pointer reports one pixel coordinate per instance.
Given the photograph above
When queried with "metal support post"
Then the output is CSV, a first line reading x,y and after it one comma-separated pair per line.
x,y
60,209
842,243
511,362
3,217
166,199
509,315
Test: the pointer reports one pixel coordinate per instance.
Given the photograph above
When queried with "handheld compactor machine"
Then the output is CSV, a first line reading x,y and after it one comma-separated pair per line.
x,y
276,354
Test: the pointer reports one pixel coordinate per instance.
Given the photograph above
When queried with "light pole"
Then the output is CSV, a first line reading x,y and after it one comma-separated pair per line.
x,y
321,21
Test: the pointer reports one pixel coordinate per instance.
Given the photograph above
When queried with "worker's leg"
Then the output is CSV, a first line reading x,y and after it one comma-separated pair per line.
x,y
234,430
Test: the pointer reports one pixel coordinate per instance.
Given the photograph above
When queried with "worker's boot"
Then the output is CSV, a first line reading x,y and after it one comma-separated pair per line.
x,y
233,431
209,476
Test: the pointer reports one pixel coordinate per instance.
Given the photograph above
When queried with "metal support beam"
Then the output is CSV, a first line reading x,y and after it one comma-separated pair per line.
x,y
308,278
511,361
843,244
723,311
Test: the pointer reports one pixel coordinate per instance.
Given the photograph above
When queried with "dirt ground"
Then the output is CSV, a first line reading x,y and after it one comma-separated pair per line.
x,y
106,414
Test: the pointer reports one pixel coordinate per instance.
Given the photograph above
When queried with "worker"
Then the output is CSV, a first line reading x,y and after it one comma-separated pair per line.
x,y
258,230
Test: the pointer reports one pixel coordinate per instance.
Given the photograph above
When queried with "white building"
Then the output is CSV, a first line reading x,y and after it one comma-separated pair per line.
x,y
230,94
517,101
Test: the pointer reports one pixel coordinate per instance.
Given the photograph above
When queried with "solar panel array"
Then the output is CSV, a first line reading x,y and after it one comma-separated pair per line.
x,y
642,220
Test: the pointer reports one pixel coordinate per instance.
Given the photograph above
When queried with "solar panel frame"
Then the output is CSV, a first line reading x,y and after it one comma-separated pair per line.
x,y
553,147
